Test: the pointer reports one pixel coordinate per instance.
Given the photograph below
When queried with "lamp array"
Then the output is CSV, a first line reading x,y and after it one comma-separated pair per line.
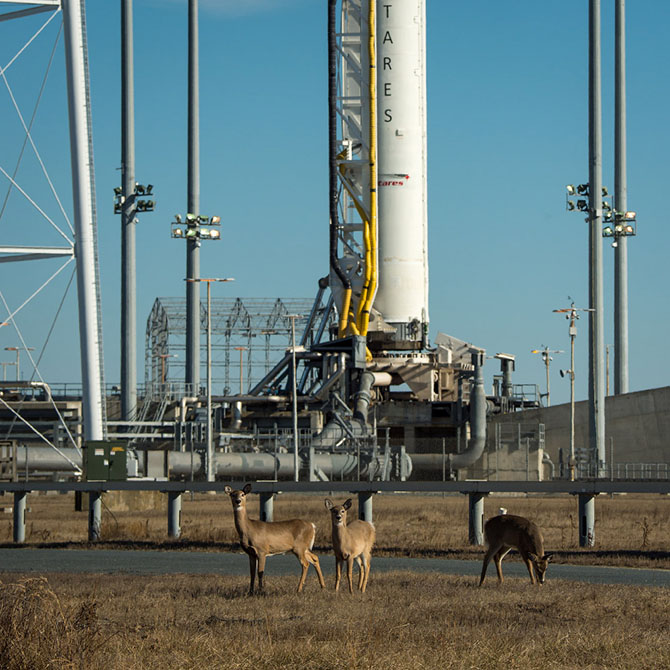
x,y
141,204
196,227
620,224
617,224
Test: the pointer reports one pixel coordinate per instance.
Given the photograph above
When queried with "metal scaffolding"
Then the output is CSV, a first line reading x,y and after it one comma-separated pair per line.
x,y
258,328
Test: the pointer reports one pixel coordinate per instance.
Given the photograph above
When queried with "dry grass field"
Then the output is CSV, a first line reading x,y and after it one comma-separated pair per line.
x,y
124,622
630,530
60,622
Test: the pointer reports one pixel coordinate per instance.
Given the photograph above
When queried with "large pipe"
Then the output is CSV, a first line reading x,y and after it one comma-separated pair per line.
x,y
262,465
363,396
477,420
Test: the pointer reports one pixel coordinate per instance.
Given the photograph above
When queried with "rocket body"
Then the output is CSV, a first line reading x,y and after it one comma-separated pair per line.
x,y
402,294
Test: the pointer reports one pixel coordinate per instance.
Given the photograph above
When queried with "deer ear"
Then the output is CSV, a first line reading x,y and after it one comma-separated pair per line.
x,y
347,503
547,557
227,489
533,557
329,503
247,489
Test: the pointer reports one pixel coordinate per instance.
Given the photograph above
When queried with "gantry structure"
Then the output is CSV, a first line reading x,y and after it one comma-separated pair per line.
x,y
249,335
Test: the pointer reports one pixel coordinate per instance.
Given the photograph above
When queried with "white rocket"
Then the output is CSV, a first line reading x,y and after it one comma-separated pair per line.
x,y
381,139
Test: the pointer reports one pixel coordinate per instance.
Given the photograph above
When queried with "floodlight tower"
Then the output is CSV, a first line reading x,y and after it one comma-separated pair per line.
x,y
193,207
621,202
595,218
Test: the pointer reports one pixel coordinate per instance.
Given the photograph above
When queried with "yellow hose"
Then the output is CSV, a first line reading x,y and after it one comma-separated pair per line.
x,y
344,314
370,225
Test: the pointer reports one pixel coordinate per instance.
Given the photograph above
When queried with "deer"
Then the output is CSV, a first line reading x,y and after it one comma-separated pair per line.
x,y
351,542
260,539
508,531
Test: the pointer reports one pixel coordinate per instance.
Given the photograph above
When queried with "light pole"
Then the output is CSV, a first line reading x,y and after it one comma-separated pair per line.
x,y
211,475
4,368
572,315
294,393
18,351
547,359
193,228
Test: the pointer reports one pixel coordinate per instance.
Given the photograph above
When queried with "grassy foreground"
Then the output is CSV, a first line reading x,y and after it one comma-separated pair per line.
x,y
404,621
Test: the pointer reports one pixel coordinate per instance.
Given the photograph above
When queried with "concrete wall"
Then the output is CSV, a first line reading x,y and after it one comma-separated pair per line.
x,y
638,423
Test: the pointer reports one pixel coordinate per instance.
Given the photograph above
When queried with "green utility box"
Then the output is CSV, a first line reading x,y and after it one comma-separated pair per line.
x,y
105,461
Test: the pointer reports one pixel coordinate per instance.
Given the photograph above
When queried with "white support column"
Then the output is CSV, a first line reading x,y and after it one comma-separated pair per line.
x,y
83,192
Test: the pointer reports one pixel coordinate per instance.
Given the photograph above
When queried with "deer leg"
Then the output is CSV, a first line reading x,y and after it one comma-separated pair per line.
x,y
305,566
338,571
366,563
361,572
497,559
261,570
350,573
314,560
487,559
252,572
529,565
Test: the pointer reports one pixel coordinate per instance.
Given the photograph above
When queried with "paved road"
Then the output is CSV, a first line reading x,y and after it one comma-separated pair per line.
x,y
23,559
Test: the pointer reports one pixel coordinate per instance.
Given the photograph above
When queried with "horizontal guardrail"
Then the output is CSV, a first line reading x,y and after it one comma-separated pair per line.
x,y
594,487
585,491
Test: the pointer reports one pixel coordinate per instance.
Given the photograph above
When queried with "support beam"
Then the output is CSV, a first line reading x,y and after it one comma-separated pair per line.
x,y
587,515
83,197
174,514
266,501
365,506
20,516
476,518
94,516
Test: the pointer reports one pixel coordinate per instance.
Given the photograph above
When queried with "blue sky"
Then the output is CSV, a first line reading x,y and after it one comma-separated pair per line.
x,y
507,129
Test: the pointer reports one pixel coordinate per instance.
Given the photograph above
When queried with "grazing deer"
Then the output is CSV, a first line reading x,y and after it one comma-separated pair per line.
x,y
351,541
261,539
508,531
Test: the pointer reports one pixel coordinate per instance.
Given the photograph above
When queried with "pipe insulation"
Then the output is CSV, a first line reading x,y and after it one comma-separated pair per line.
x,y
261,465
477,419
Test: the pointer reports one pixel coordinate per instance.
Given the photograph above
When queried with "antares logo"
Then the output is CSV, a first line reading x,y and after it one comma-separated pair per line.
x,y
393,179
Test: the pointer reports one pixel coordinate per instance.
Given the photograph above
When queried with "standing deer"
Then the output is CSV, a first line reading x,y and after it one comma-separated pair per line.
x,y
261,539
351,541
507,531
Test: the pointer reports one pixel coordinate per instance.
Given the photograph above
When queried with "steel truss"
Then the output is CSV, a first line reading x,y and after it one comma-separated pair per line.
x,y
261,326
